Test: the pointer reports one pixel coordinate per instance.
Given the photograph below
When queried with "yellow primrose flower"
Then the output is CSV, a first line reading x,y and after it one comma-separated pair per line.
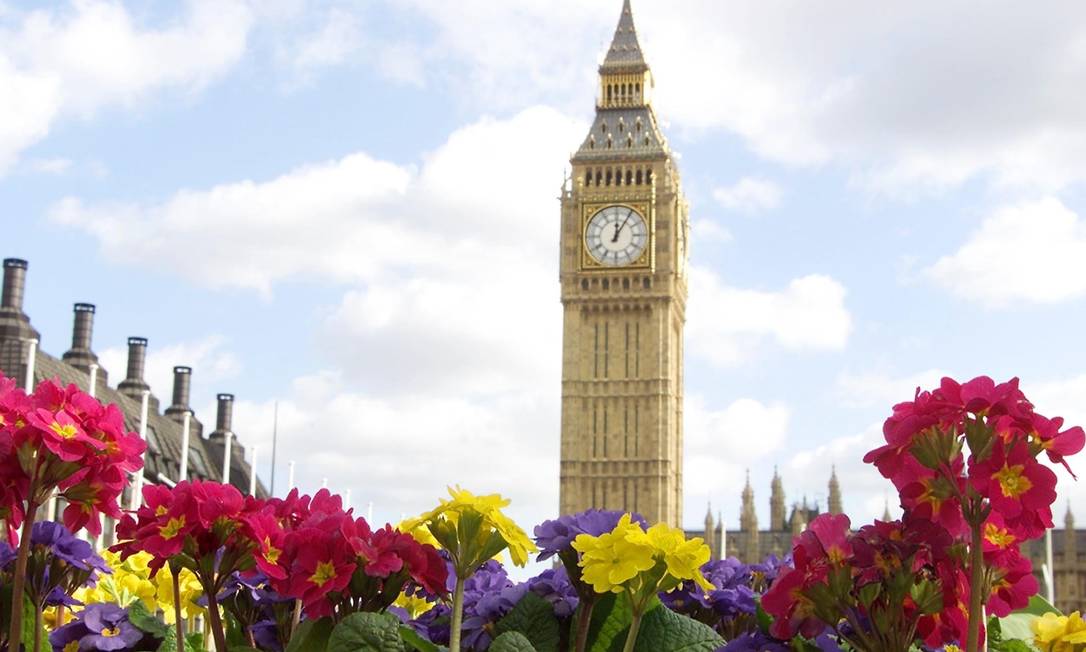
x,y
190,593
489,507
614,558
1059,633
413,604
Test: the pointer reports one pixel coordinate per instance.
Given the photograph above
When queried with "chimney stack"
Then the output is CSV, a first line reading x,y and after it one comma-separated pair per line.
x,y
134,385
15,329
224,420
182,385
224,427
81,356
14,283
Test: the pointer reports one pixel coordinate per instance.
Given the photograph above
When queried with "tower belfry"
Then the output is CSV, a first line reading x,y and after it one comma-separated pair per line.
x,y
624,231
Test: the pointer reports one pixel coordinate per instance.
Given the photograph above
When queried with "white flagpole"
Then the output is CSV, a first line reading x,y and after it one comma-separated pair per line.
x,y
92,386
252,474
31,359
369,513
227,452
290,476
324,483
136,499
1049,570
186,426
347,500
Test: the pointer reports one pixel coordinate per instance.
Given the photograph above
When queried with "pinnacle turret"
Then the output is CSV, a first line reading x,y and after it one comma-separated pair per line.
x,y
776,503
835,493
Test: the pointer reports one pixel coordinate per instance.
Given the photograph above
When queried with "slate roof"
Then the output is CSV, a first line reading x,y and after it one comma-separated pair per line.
x,y
633,133
625,54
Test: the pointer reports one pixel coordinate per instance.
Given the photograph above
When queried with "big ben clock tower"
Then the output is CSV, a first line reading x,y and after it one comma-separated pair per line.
x,y
623,277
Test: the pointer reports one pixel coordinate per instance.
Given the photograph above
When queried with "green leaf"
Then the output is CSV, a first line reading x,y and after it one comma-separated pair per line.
x,y
367,632
512,642
146,621
1016,626
195,641
311,636
243,648
416,642
610,619
534,617
663,630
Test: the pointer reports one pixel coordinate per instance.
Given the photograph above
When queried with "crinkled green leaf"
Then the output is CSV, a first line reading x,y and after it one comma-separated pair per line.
x,y
367,632
512,642
417,642
147,622
534,617
610,618
311,636
663,630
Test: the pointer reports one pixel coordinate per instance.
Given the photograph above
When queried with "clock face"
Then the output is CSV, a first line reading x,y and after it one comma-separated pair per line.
x,y
616,235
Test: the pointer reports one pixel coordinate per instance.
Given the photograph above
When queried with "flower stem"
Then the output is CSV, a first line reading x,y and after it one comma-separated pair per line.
x,y
457,614
15,632
37,629
177,608
976,598
631,636
216,621
296,617
584,621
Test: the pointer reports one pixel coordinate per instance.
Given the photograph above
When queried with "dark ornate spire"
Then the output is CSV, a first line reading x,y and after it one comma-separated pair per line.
x,y
748,517
625,54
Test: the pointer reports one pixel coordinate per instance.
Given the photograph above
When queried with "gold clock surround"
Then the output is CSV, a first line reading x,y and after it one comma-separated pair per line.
x,y
643,262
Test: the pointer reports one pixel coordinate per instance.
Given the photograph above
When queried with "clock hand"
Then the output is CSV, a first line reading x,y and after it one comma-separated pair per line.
x,y
619,227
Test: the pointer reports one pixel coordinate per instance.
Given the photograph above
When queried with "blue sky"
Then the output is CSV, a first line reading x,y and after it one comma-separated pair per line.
x,y
349,208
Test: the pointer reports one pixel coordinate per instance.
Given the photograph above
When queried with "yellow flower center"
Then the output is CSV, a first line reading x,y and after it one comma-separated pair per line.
x,y
998,536
836,555
326,570
66,431
1011,480
111,632
161,510
72,647
272,553
172,528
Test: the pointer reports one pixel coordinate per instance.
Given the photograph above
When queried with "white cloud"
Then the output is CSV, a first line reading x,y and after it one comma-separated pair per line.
x,y
75,60
51,165
875,389
371,444
864,493
938,99
1032,252
706,230
727,323
209,358
428,253
716,448
329,44
749,195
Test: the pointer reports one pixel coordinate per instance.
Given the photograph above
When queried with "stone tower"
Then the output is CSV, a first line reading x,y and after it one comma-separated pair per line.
x,y
623,284
748,524
835,493
776,503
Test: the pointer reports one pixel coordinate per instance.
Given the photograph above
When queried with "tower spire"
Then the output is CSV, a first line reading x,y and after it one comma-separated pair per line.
x,y
625,54
835,493
776,503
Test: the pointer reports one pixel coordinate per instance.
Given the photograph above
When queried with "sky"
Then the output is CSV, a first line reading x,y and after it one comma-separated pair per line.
x,y
350,210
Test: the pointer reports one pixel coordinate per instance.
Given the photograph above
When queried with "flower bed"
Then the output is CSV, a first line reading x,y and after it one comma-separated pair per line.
x,y
199,563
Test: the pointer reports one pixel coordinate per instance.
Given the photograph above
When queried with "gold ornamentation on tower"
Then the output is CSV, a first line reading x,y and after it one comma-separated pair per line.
x,y
623,277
